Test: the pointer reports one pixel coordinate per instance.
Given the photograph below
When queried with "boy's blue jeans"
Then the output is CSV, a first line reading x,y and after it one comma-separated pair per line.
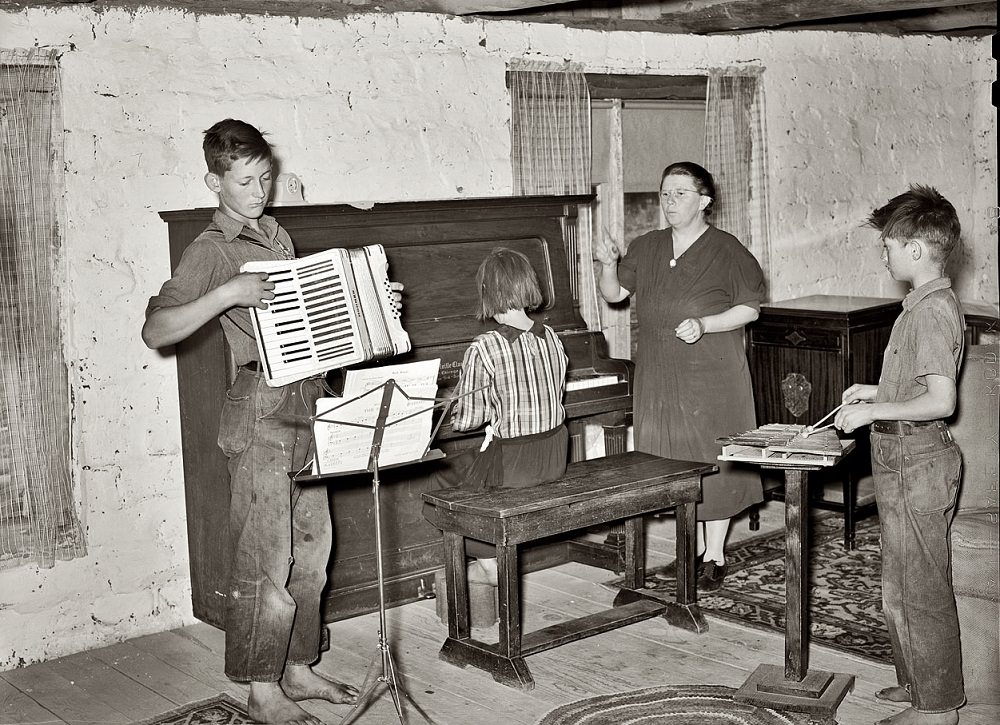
x,y
280,533
916,478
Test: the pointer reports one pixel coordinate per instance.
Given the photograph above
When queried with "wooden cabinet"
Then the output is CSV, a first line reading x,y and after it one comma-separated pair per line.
x,y
803,354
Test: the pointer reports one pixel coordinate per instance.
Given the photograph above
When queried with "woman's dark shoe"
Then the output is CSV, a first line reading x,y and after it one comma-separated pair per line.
x,y
712,576
669,571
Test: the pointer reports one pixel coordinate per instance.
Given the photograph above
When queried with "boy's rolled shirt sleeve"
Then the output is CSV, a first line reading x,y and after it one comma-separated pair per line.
x,y
200,270
938,341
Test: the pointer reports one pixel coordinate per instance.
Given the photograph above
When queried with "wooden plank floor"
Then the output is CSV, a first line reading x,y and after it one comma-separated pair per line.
x,y
135,680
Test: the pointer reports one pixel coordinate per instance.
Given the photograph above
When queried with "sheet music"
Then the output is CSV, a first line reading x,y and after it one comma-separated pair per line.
x,y
342,448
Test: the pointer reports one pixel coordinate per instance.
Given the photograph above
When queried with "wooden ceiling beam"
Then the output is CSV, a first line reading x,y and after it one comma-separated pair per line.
x,y
719,15
729,16
658,16
974,19
469,7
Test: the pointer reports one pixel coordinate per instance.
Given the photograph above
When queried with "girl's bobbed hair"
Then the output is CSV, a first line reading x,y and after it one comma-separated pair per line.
x,y
506,281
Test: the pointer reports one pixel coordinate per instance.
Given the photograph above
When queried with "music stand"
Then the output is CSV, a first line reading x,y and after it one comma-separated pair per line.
x,y
375,684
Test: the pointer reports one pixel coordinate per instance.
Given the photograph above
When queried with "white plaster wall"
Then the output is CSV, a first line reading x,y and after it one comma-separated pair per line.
x,y
411,106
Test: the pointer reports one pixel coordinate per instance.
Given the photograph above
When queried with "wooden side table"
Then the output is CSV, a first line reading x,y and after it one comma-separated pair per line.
x,y
795,687
803,354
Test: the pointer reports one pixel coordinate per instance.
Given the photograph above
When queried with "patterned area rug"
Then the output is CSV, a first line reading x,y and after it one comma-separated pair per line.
x,y
669,705
219,710
845,587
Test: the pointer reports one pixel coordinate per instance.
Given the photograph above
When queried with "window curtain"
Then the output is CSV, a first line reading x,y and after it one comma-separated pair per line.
x,y
550,154
735,155
550,128
38,518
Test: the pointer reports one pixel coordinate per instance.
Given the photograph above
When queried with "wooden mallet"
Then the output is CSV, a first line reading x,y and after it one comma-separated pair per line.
x,y
810,429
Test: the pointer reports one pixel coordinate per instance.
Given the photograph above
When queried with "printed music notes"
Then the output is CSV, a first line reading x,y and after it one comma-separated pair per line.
x,y
330,310
344,427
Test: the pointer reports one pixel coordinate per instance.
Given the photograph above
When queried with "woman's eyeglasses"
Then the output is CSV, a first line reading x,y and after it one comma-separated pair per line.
x,y
675,194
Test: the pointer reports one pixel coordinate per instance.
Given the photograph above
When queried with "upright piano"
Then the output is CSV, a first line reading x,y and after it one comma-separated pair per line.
x,y
434,249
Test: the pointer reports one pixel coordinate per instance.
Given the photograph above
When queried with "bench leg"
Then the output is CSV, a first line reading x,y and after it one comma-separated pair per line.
x,y
458,586
511,668
635,553
684,612
503,660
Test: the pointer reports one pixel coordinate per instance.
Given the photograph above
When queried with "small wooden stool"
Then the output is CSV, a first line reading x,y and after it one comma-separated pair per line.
x,y
621,487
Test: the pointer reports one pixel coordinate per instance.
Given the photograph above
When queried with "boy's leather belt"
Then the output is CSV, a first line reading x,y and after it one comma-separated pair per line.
x,y
901,427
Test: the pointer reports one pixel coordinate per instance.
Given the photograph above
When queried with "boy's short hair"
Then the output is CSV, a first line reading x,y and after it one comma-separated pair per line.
x,y
229,140
920,213
506,281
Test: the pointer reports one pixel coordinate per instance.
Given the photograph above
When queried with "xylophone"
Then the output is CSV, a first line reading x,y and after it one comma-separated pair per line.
x,y
785,444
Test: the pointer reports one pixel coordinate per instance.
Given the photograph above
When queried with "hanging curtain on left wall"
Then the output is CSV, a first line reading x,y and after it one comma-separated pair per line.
x,y
38,517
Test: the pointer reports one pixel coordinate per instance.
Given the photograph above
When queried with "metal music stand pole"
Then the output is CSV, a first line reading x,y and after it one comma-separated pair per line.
x,y
386,680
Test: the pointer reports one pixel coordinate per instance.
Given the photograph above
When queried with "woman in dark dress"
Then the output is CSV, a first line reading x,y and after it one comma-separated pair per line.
x,y
696,287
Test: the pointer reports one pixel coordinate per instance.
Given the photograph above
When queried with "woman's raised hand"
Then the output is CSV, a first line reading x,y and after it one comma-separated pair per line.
x,y
605,251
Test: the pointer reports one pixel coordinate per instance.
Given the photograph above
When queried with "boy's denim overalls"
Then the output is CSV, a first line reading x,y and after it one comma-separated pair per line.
x,y
280,532
916,476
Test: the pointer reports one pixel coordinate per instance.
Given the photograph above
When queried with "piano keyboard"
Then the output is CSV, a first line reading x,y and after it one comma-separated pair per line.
x,y
330,310
593,381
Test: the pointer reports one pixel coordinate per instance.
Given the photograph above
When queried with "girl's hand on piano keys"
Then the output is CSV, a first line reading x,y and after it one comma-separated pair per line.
x,y
397,296
250,289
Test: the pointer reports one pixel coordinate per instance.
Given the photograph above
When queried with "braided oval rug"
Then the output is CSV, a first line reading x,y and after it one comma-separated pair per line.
x,y
669,705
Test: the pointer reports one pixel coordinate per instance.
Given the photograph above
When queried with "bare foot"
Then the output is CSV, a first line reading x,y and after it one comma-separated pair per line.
x,y
909,716
897,693
269,704
302,682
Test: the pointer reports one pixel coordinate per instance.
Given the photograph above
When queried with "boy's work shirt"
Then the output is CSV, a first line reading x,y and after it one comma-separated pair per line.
x,y
927,338
214,258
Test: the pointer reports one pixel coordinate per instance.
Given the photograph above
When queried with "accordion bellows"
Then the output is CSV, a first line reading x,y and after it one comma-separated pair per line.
x,y
330,310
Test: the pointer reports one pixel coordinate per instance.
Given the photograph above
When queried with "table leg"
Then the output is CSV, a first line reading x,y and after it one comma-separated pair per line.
x,y
796,576
795,687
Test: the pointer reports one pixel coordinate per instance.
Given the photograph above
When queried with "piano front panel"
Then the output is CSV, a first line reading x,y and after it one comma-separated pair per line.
x,y
434,249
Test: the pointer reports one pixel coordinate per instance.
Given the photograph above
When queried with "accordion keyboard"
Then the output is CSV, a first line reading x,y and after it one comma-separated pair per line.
x,y
330,310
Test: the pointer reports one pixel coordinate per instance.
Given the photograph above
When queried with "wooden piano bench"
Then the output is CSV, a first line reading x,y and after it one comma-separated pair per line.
x,y
620,487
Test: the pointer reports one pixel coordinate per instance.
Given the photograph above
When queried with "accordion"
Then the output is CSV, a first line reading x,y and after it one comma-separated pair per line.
x,y
330,310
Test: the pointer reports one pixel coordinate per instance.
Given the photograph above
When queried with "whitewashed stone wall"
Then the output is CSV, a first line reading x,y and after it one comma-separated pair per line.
x,y
378,107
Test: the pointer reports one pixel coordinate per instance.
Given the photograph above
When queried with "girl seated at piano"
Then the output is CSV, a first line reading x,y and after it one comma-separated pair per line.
x,y
512,381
